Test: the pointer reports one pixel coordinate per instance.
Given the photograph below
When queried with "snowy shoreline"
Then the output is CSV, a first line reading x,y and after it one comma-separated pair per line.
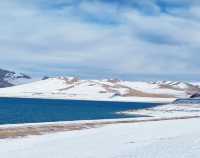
x,y
170,138
24,130
120,100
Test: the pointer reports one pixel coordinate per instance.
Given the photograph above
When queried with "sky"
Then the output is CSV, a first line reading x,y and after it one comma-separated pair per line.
x,y
127,39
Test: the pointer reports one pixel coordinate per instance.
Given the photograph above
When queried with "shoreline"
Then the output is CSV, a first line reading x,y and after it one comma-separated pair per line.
x,y
43,129
124,100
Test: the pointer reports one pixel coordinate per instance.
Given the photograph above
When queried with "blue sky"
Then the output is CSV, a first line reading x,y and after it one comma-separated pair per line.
x,y
128,39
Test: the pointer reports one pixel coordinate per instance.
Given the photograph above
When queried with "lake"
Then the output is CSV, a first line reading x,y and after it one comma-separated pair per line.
x,y
18,110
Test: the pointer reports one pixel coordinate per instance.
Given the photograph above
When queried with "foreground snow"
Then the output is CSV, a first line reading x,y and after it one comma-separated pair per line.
x,y
166,139
105,90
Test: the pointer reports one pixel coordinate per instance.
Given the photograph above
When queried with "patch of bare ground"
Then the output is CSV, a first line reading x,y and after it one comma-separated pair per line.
x,y
136,93
113,80
192,89
170,87
28,130
133,92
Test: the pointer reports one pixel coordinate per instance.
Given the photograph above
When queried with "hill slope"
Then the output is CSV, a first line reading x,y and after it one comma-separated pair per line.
x,y
113,90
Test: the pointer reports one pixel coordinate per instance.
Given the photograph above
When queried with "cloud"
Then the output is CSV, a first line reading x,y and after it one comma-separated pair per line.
x,y
101,37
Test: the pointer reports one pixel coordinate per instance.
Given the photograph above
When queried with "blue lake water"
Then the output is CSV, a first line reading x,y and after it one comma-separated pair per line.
x,y
15,110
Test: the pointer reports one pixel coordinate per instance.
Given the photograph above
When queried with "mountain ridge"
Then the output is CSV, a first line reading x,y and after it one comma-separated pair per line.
x,y
11,78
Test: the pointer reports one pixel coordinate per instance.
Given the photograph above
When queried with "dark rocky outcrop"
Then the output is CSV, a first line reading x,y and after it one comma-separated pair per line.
x,y
7,78
45,78
196,95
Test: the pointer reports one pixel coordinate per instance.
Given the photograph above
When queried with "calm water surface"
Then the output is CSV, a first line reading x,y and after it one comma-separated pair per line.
x,y
15,110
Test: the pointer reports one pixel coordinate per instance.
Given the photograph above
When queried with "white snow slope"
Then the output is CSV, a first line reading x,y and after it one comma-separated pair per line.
x,y
110,90
162,139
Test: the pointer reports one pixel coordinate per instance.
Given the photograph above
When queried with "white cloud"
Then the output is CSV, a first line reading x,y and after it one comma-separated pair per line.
x,y
76,36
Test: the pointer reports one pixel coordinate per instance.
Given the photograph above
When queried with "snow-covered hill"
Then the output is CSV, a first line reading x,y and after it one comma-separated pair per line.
x,y
9,78
111,90
191,88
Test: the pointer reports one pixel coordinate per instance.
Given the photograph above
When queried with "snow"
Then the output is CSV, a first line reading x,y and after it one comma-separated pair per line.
x,y
39,86
168,111
166,139
153,88
175,84
88,89
196,83
105,90
143,99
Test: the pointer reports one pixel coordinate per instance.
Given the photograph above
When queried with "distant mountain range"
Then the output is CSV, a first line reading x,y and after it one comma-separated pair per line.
x,y
10,78
107,89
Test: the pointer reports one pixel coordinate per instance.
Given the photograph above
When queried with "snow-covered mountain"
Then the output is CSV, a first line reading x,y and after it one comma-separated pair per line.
x,y
113,90
190,88
9,78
